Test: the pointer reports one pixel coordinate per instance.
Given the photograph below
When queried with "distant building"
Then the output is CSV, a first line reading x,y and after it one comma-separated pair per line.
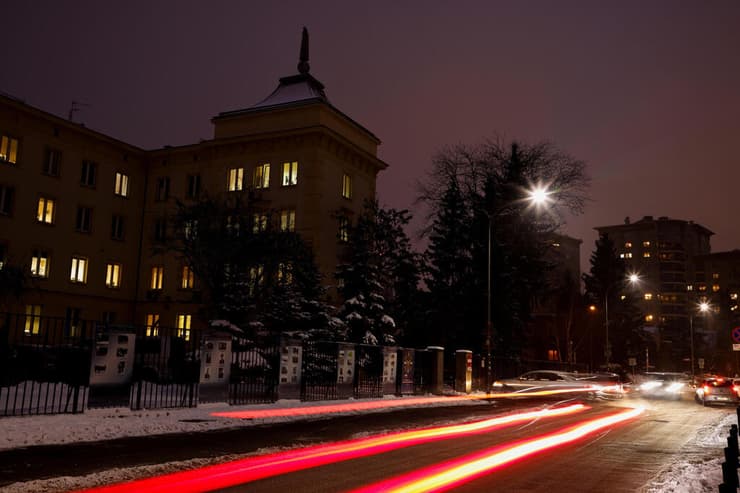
x,y
662,252
83,211
554,315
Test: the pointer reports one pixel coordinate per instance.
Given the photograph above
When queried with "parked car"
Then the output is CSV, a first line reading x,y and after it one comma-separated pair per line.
x,y
599,384
667,385
717,390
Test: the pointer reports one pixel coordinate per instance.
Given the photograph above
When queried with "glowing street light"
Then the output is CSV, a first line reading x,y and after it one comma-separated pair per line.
x,y
537,196
703,308
632,278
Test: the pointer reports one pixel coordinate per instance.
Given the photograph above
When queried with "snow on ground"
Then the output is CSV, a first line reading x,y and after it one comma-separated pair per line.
x,y
697,469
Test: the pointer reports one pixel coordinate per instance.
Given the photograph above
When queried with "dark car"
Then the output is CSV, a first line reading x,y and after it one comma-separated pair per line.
x,y
717,390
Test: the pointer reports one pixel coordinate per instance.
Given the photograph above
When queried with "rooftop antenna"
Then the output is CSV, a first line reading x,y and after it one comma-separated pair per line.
x,y
303,66
75,107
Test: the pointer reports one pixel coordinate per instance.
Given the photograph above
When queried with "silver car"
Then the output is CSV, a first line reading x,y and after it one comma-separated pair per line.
x,y
542,380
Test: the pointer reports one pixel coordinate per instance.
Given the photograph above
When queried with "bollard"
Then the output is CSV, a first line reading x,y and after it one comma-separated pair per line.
x,y
725,488
729,473
732,443
737,411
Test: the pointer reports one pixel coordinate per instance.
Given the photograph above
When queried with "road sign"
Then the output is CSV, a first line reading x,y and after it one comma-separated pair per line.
x,y
736,347
736,334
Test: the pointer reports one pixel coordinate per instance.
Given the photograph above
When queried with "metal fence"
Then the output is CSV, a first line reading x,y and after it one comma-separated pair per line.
x,y
255,371
368,378
320,371
44,365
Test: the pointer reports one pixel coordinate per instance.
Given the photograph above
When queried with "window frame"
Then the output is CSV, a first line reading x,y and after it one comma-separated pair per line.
x,y
84,219
7,199
192,186
118,227
52,163
187,278
113,275
7,155
79,264
261,176
290,174
235,179
88,173
32,325
287,220
47,214
156,280
39,257
121,184
183,323
346,186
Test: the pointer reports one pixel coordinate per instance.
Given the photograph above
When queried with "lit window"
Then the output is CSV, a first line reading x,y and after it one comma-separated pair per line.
x,y
163,189
346,186
116,227
157,277
287,220
183,325
552,355
160,229
733,296
45,211
646,254
259,222
255,278
715,275
121,185
621,255
702,287
152,324
33,319
88,175
193,187
628,244
628,255
78,272
188,278
715,287
689,287
6,200
646,243
343,229
236,179
84,219
648,318
262,176
8,149
622,297
113,275
733,308
648,296
290,173
39,264
285,273
52,159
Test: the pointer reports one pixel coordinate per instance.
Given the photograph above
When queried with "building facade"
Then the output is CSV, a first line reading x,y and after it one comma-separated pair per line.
x,y
662,253
85,212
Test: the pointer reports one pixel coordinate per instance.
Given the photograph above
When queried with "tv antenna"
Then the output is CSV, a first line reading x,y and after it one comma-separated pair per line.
x,y
75,107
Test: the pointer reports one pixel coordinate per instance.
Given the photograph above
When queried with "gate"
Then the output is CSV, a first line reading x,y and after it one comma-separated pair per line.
x,y
255,369
368,371
319,371
44,365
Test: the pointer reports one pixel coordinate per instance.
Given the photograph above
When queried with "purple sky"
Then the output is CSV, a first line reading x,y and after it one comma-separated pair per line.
x,y
649,96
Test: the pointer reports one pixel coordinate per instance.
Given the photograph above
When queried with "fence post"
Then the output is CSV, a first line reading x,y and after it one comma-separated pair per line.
x,y
729,471
732,444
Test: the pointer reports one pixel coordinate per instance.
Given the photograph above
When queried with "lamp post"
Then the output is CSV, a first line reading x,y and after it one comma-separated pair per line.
x,y
632,279
703,308
537,196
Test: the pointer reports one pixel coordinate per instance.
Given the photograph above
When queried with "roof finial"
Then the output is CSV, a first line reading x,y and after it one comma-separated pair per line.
x,y
303,66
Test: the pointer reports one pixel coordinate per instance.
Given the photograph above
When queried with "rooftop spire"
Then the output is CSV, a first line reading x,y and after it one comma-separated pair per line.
x,y
303,66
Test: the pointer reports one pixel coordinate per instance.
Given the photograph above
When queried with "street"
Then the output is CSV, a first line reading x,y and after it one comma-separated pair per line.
x,y
616,457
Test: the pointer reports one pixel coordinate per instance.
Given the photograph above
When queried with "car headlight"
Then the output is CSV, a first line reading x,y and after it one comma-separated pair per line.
x,y
651,385
675,387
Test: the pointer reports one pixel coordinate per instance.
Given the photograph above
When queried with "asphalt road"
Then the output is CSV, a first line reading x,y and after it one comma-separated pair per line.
x,y
621,458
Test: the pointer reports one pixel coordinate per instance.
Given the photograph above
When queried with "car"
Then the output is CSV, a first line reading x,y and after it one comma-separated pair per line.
x,y
543,380
666,385
717,390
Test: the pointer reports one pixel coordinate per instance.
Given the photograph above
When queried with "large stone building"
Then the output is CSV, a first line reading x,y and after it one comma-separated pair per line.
x,y
84,211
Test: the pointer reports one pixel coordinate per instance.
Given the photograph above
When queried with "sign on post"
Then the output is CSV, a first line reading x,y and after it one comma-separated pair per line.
x,y
736,335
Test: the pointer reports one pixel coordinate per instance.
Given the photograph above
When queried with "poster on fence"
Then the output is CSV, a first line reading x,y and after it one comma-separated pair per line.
x,y
113,357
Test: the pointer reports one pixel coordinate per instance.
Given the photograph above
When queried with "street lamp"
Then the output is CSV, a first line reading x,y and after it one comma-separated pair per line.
x,y
632,279
703,308
537,196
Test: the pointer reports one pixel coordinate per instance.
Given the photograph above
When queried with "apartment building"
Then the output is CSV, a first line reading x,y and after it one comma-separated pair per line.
x,y
84,211
662,252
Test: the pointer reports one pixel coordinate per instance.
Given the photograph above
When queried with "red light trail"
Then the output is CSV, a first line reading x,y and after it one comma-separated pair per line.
x,y
385,404
260,467
447,475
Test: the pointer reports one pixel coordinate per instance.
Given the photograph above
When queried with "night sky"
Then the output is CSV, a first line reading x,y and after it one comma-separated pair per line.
x,y
648,96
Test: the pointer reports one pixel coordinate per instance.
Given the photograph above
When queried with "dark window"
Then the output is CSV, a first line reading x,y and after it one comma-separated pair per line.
x,y
163,188
84,219
109,317
193,186
52,160
3,255
89,173
72,322
160,230
117,230
6,200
